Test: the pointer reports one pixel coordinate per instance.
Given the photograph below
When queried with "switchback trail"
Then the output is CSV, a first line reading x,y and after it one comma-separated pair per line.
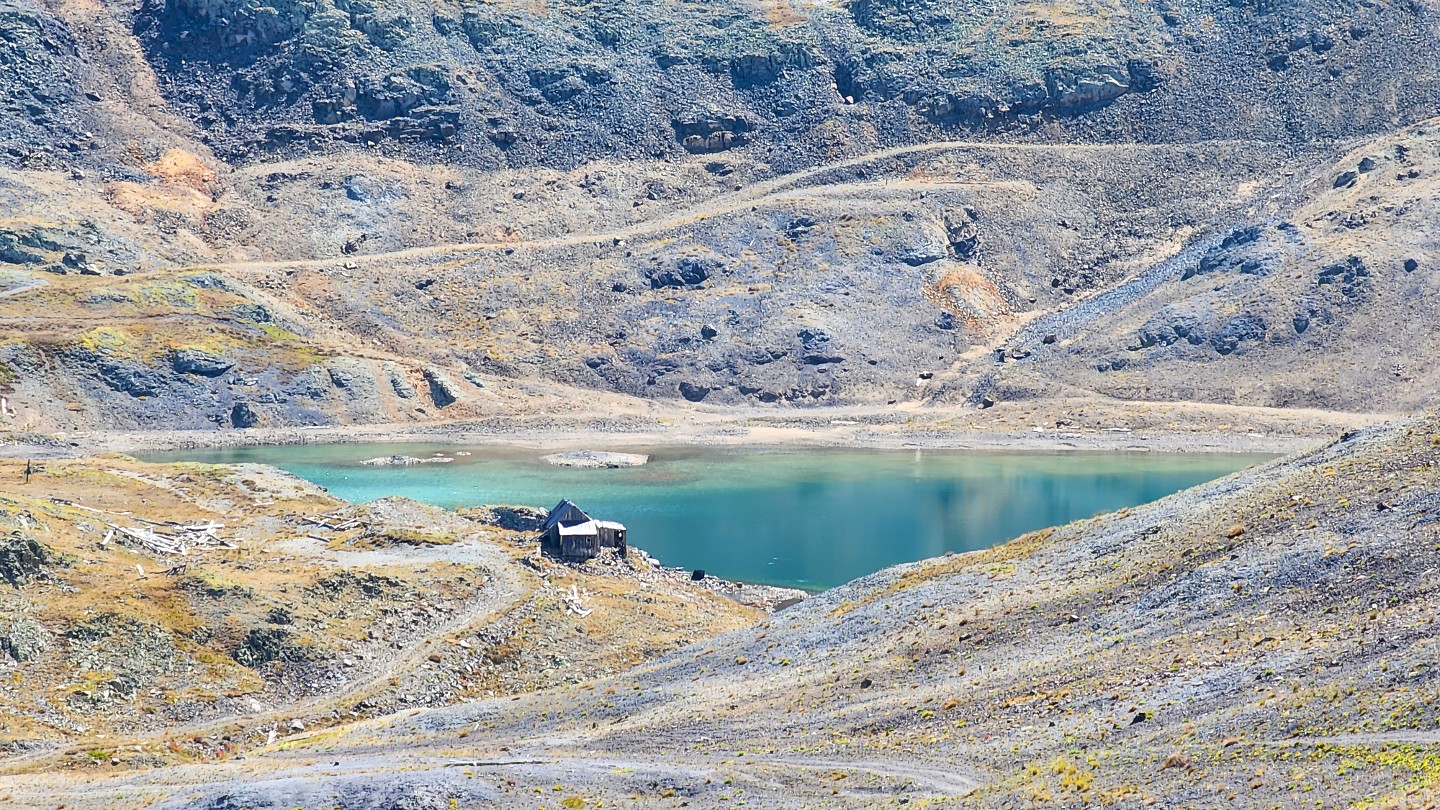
x,y
782,187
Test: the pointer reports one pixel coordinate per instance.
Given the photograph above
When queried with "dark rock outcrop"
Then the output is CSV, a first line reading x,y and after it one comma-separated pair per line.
x,y
1350,277
1238,330
1167,328
442,390
687,271
22,559
22,638
244,415
692,392
264,645
200,362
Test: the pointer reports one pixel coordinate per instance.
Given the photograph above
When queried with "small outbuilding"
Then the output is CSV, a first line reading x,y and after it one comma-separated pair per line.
x,y
570,534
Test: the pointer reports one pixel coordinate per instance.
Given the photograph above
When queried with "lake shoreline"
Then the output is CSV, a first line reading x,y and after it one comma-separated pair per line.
x,y
843,429
788,516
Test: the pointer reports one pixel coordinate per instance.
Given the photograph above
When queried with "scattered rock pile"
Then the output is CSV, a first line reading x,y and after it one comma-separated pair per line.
x,y
596,459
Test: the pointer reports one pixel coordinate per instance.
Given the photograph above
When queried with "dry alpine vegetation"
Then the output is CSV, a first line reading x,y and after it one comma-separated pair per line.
x,y
1161,225
165,614
1268,640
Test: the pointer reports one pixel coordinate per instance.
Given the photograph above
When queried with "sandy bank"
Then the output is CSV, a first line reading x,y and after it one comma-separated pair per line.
x,y
1065,425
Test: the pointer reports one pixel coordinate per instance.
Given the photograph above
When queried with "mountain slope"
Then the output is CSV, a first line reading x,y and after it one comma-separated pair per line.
x,y
726,203
1263,639
1328,302
560,84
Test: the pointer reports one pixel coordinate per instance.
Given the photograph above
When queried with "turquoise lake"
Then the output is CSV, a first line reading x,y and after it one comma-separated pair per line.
x,y
811,518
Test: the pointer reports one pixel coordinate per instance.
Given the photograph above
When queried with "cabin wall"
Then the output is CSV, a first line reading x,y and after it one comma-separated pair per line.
x,y
613,538
579,546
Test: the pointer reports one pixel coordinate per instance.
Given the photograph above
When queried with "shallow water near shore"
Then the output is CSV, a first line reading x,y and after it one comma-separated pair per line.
x,y
810,518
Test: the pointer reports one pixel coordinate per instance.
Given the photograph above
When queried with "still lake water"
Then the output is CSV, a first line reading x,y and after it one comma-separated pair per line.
x,y
812,518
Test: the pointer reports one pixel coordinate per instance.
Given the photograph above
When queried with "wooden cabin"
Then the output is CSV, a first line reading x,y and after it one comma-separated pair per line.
x,y
570,534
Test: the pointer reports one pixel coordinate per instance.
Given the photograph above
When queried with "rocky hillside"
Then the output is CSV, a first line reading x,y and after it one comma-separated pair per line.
x,y
1260,641
562,84
321,212
1327,302
164,613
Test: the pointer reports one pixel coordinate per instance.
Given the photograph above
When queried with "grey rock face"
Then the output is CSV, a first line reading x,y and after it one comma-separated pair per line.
x,y
201,363
129,377
356,387
398,383
442,389
631,79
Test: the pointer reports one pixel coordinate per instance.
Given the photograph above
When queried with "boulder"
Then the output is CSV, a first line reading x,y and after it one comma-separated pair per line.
x,y
1075,89
244,415
692,392
200,363
925,252
688,271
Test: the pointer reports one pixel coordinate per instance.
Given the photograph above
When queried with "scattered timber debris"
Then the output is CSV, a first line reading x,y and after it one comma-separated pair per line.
x,y
178,539
158,536
573,603
336,522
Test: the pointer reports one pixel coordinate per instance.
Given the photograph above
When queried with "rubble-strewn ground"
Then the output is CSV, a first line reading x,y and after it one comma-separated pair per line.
x,y
297,611
1174,225
1266,640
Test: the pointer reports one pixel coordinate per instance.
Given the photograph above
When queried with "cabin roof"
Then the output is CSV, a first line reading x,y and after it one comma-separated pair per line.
x,y
564,512
610,524
588,527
